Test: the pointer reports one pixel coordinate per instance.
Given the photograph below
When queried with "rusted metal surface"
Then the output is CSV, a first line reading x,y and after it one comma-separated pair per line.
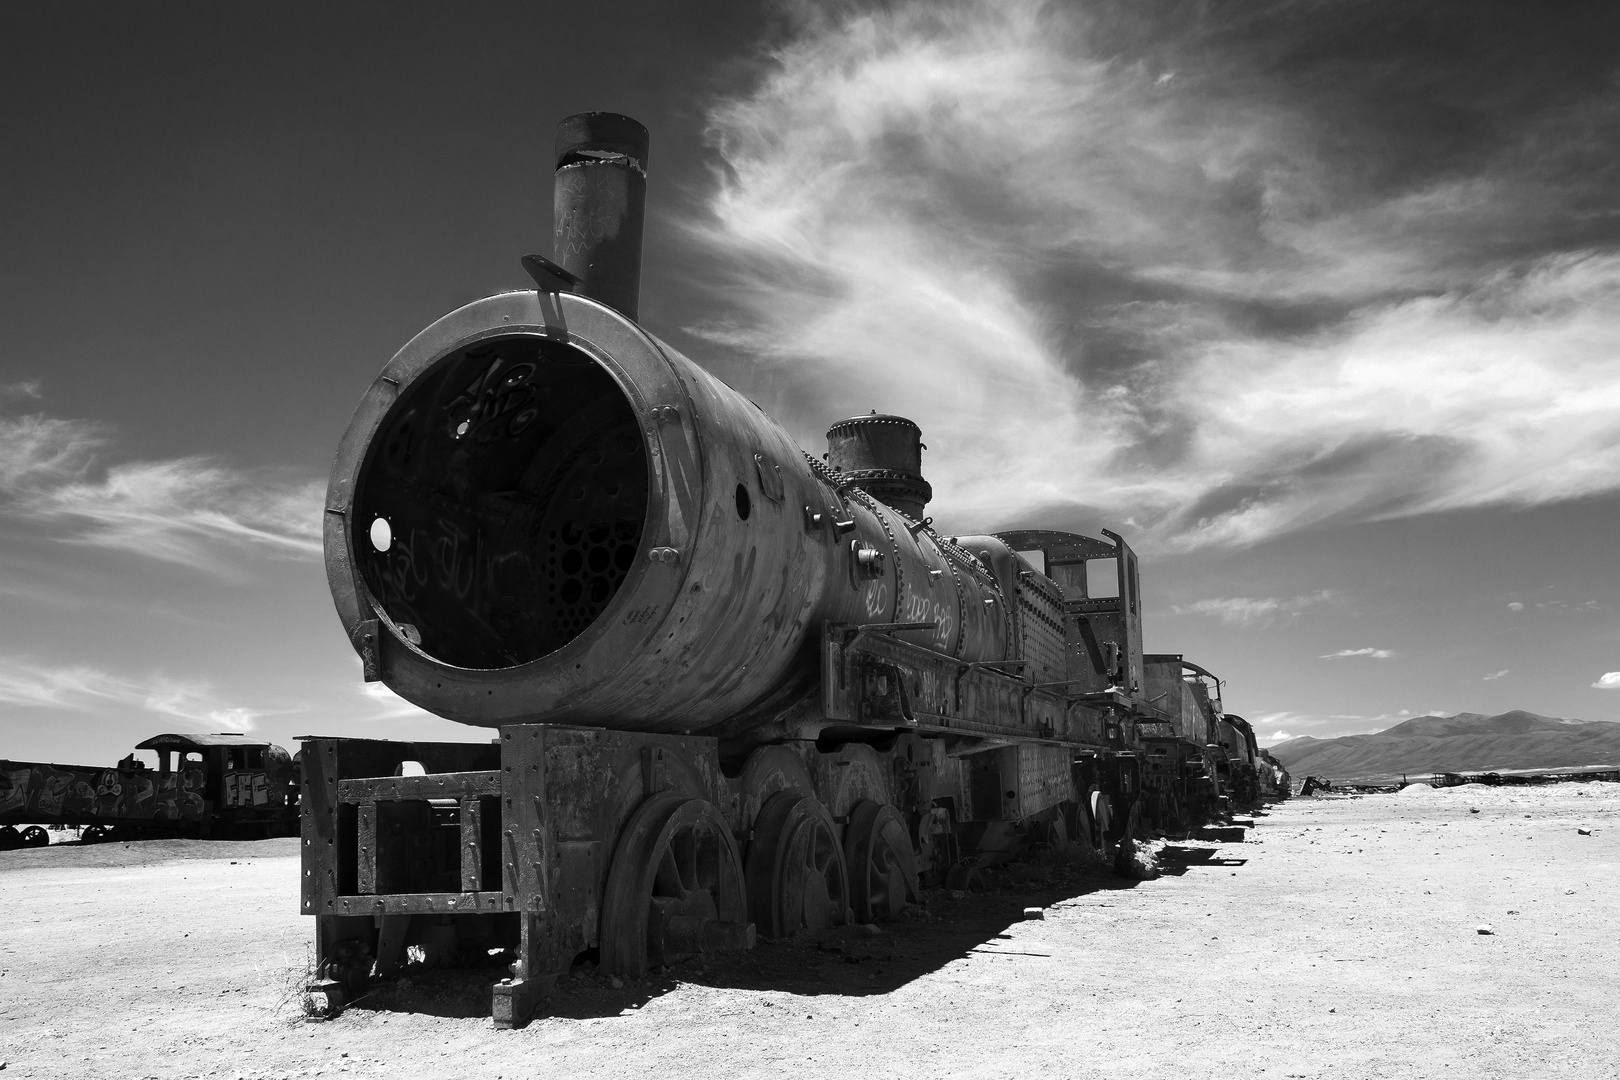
x,y
879,853
1275,782
875,680
1167,693
528,846
573,527
599,205
1102,634
798,880
882,456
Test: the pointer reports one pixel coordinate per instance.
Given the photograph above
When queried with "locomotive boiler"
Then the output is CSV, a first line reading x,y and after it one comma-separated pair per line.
x,y
737,689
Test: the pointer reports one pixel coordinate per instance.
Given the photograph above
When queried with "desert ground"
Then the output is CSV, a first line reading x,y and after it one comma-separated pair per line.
x,y
1339,937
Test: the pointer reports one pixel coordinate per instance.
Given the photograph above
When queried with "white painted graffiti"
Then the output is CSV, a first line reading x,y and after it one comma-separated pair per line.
x,y
914,607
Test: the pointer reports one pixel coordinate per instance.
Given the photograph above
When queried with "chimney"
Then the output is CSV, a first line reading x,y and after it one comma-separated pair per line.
x,y
600,204
882,455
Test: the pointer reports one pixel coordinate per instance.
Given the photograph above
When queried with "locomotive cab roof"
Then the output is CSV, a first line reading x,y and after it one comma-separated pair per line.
x,y
197,741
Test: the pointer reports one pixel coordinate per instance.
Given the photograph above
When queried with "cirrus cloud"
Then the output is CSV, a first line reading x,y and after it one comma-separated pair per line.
x,y
24,682
1253,611
1143,274
1370,653
192,511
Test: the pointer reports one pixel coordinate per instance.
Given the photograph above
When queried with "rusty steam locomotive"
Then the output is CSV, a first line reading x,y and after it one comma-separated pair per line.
x,y
738,689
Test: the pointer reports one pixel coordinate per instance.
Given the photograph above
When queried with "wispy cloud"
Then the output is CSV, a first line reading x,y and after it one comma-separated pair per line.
x,y
1515,606
1253,611
24,682
1293,725
192,511
1343,654
1609,680
1495,675
1287,724
383,704
28,388
1560,607
1133,278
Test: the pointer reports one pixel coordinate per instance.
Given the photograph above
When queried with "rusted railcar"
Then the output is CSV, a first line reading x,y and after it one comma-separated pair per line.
x,y
225,785
738,689
1275,783
1199,762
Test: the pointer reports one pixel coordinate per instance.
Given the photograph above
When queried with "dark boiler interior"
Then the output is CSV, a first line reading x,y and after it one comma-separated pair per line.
x,y
502,502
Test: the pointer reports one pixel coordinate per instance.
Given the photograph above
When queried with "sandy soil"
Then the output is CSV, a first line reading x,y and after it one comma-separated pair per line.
x,y
1338,939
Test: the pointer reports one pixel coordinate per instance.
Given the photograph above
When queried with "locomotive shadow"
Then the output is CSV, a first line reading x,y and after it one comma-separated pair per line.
x,y
853,962
1175,860
848,961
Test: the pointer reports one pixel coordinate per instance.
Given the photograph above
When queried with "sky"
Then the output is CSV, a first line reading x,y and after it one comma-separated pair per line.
x,y
1317,302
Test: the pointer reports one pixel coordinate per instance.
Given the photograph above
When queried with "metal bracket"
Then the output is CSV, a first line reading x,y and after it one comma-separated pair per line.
x,y
770,478
854,633
365,643
548,276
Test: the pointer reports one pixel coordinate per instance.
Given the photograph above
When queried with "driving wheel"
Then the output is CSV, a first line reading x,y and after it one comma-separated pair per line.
x,y
882,871
34,836
674,889
1053,834
797,879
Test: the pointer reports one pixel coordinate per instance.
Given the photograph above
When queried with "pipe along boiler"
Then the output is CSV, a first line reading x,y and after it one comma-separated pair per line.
x,y
738,689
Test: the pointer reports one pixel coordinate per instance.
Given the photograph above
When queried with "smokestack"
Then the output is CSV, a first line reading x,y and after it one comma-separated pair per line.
x,y
600,205
882,455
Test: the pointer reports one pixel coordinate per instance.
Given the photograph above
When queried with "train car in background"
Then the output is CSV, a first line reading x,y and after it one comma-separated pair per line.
x,y
1238,759
1182,784
212,786
1275,783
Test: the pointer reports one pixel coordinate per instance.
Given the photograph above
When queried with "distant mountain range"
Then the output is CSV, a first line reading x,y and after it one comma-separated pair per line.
x,y
1467,742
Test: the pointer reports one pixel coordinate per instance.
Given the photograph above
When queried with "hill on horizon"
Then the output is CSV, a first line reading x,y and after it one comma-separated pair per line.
x,y
1466,742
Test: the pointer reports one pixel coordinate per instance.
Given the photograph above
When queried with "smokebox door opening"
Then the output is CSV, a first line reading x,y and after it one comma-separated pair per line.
x,y
511,483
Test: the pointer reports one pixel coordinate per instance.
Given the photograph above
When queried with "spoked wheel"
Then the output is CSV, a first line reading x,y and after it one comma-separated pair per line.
x,y
34,836
882,871
1053,834
10,838
93,834
675,888
797,879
